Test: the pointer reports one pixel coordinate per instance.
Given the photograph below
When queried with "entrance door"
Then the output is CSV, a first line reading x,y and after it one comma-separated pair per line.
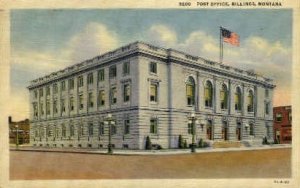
x,y
225,130
238,133
209,133
224,133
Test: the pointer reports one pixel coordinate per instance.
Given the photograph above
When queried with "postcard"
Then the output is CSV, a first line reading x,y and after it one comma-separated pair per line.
x,y
149,93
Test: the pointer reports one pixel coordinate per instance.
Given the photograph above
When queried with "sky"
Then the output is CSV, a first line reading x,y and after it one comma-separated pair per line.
x,y
44,41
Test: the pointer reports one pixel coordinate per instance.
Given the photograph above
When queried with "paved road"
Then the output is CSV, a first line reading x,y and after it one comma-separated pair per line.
x,y
271,163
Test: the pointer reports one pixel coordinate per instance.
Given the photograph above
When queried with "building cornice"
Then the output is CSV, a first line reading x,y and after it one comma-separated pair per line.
x,y
147,49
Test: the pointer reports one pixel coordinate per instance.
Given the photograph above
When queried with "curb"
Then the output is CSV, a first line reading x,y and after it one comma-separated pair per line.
x,y
155,152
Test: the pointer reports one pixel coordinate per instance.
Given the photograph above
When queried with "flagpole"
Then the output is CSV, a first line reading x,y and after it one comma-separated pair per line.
x,y
221,45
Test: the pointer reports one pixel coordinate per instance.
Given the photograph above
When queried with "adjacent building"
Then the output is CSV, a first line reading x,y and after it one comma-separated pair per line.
x,y
283,124
20,127
150,91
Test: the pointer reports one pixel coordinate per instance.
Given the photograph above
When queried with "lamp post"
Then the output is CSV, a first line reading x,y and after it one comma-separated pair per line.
x,y
17,137
193,121
109,121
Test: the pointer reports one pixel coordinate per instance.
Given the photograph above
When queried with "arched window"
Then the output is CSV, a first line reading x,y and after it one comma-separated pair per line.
x,y
250,101
224,97
238,99
63,130
208,94
190,91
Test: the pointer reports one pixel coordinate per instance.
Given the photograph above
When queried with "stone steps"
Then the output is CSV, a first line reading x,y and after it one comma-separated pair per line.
x,y
226,144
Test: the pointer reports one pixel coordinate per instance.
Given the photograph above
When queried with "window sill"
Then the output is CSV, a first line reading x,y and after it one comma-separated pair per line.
x,y
153,73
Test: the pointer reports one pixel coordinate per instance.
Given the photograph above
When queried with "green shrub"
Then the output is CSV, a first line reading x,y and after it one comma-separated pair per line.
x,y
265,141
148,143
185,144
180,142
200,144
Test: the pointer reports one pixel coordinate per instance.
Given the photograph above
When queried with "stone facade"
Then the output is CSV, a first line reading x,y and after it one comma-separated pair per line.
x,y
150,91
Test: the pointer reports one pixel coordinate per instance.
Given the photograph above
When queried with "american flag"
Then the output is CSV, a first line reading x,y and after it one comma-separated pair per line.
x,y
230,37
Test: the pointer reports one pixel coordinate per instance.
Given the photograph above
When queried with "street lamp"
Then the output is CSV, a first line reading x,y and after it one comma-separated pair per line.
x,y
109,121
17,137
193,120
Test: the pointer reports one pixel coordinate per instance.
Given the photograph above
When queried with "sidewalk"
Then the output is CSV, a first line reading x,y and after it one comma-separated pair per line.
x,y
147,152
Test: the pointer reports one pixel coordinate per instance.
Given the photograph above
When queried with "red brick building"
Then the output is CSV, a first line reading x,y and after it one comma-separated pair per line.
x,y
283,124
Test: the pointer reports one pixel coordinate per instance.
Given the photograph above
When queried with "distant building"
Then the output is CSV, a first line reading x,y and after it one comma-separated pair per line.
x,y
23,130
283,124
150,91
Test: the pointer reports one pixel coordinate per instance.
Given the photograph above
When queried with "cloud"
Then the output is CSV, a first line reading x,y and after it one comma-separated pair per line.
x,y
162,35
271,59
93,40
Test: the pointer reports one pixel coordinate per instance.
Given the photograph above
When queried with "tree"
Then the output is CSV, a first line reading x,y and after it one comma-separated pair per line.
x,y
185,144
148,143
180,142
265,141
201,144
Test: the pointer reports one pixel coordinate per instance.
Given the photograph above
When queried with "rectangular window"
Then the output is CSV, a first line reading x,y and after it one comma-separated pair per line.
x,y
267,108
72,130
47,91
153,92
48,107
113,129
71,84
55,110
290,116
90,78
35,109
80,81
113,71
101,128
55,90
153,67
71,103
35,94
62,104
42,108
41,92
63,86
153,126
91,100
101,98
126,126
190,128
278,117
126,68
91,129
101,75
81,102
266,93
126,92
113,95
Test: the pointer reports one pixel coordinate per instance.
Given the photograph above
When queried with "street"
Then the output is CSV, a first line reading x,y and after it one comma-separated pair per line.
x,y
270,163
